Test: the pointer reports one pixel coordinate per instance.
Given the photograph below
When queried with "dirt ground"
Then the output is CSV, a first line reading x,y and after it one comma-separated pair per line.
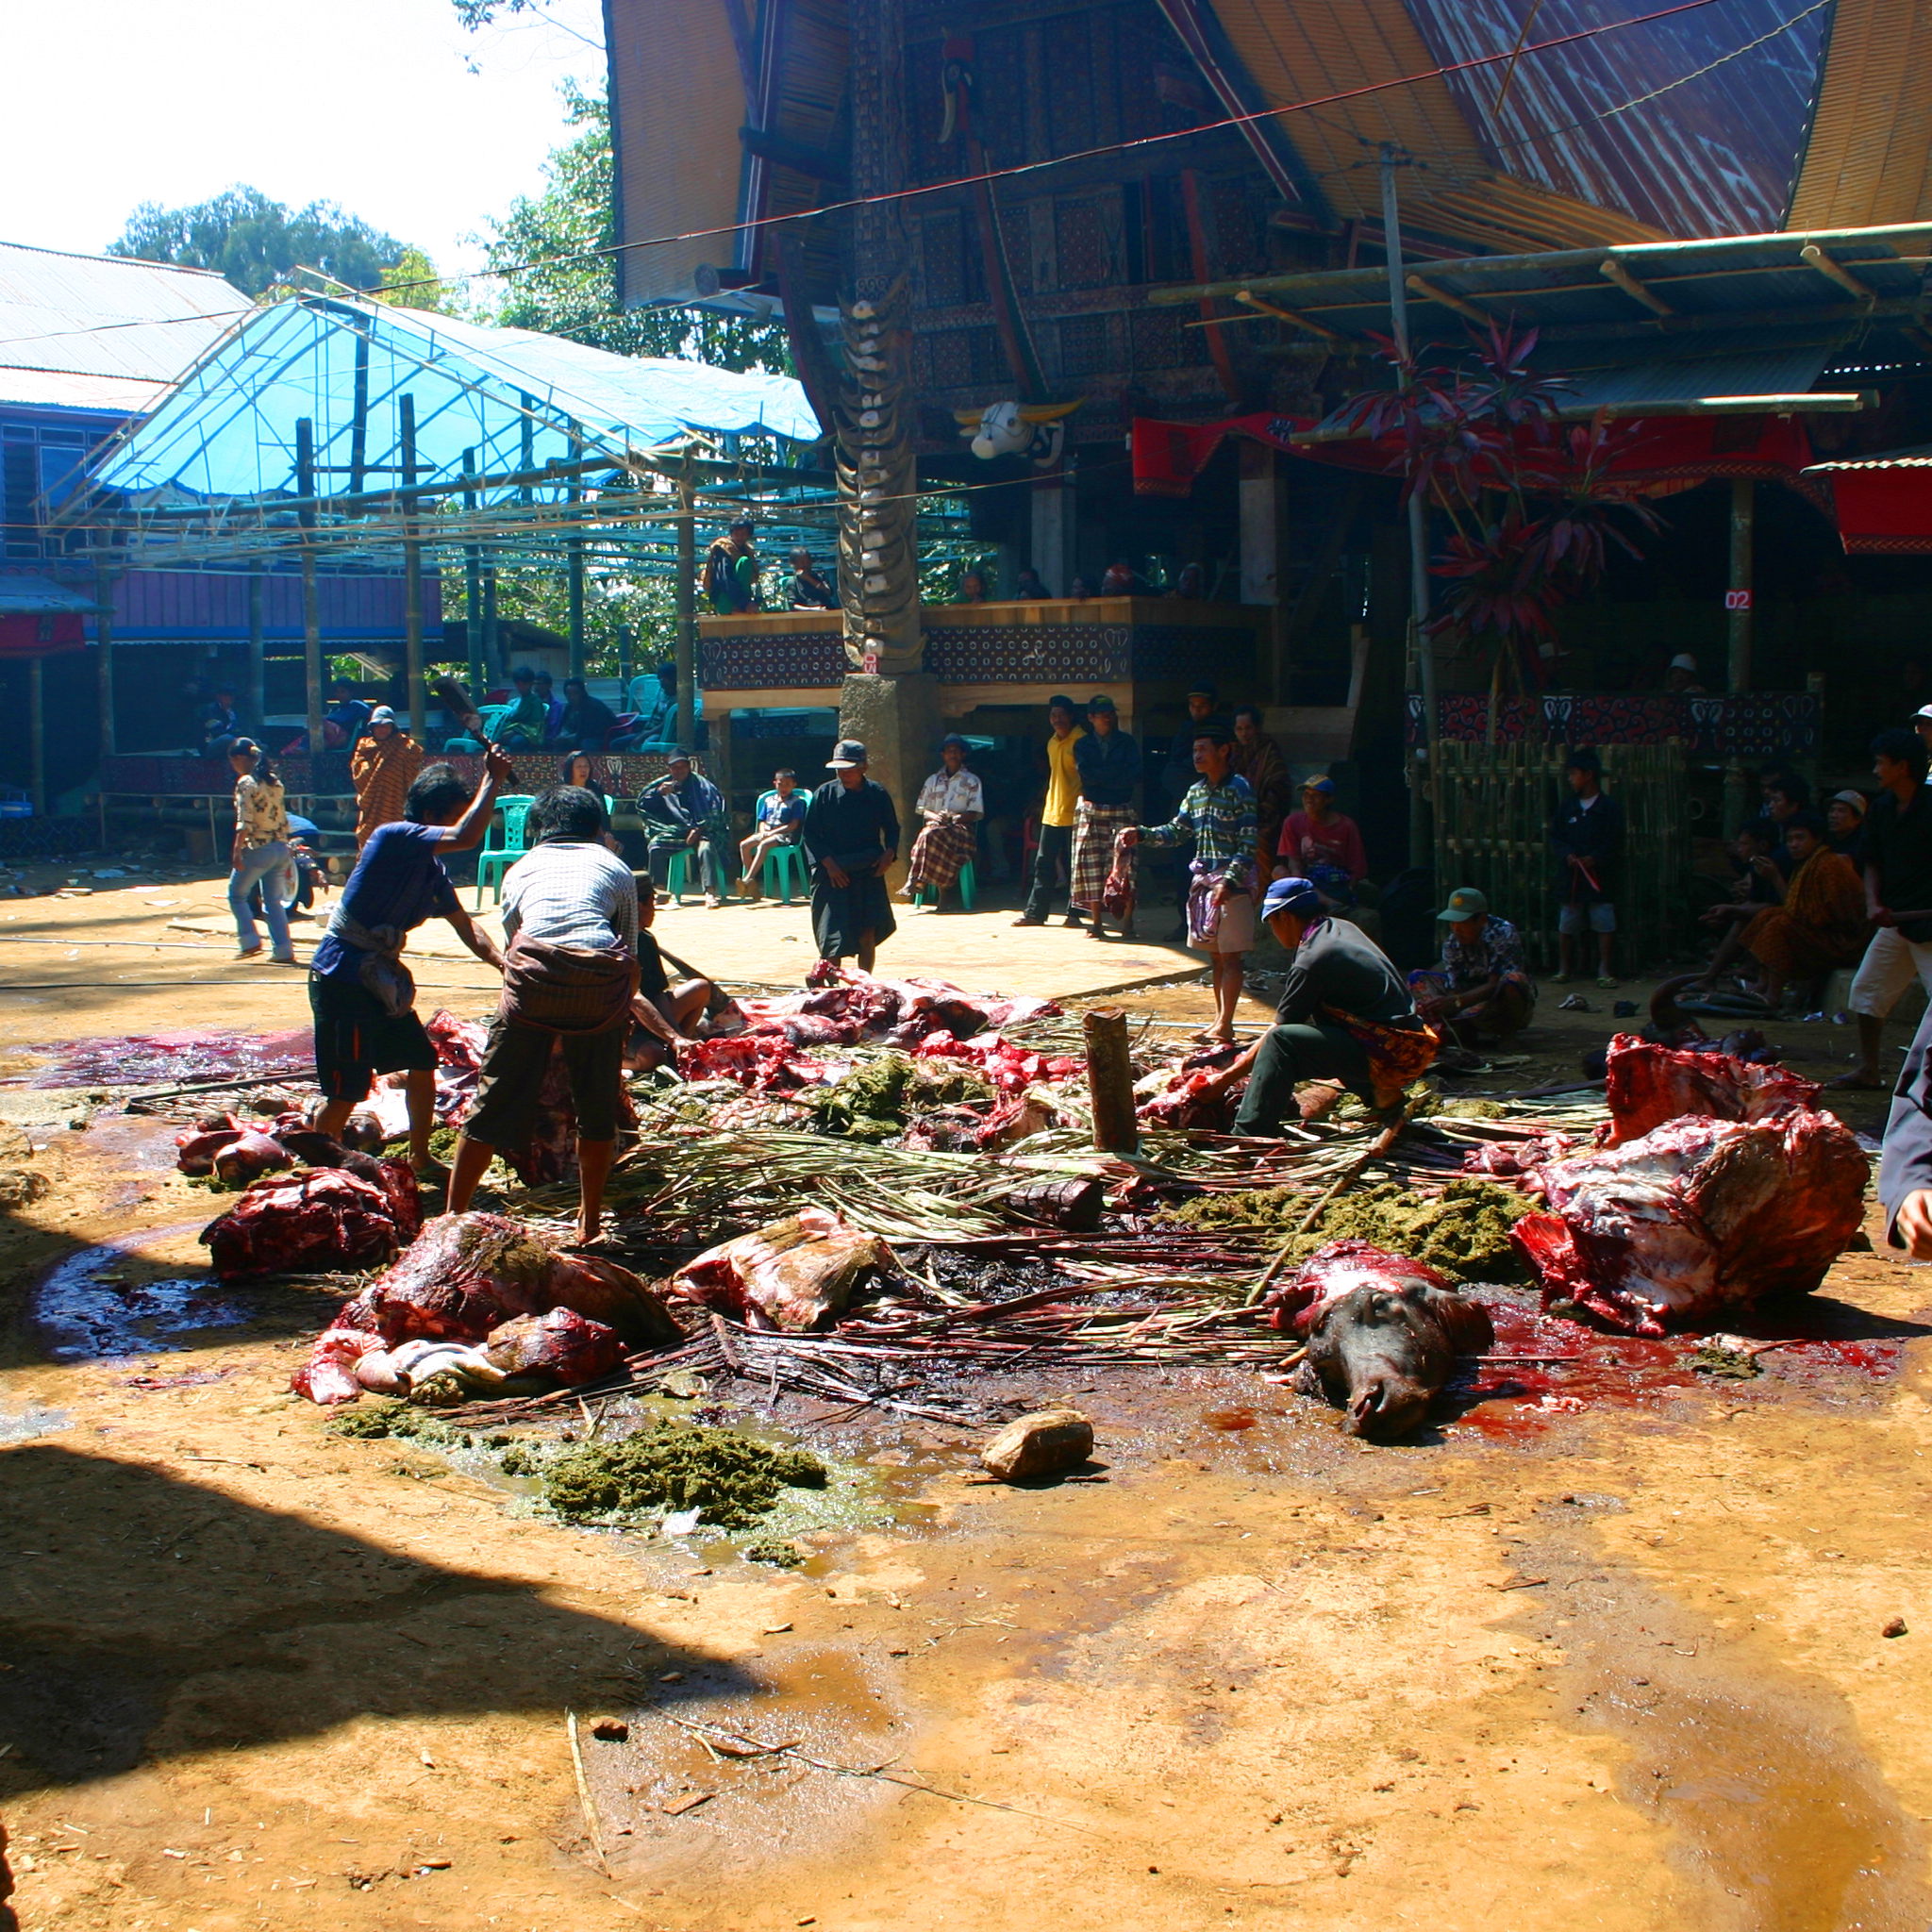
x,y
1622,1663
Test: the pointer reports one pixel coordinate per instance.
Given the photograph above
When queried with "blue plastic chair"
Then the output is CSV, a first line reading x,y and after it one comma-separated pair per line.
x,y
496,858
968,885
786,863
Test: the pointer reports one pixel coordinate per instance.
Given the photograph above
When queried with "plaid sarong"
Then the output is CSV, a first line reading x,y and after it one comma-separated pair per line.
x,y
1094,828
566,989
1397,1055
940,855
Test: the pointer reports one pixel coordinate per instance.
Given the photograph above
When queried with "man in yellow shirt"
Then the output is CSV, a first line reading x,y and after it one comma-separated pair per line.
x,y
1056,848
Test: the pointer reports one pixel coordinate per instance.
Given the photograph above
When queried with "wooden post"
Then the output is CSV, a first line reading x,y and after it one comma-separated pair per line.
x,y
473,595
574,584
1110,1081
687,611
1738,619
258,669
37,732
624,661
413,574
493,636
103,636
312,608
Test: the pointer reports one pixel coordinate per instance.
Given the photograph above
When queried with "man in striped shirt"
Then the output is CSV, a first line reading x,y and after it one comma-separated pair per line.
x,y
1218,814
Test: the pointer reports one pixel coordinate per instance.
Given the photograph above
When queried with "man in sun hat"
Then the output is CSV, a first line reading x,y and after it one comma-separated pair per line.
x,y
1681,677
1480,992
851,839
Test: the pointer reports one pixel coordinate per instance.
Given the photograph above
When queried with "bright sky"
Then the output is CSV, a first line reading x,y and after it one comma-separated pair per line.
x,y
372,104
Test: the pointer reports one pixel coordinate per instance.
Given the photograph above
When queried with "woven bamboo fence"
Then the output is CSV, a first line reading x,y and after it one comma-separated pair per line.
x,y
1493,807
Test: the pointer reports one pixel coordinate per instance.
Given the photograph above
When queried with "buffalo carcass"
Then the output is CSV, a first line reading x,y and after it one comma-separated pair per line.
x,y
466,1276
1696,1220
1646,1085
1383,1333
795,1274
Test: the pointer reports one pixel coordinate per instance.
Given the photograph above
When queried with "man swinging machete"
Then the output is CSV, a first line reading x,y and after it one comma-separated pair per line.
x,y
1345,1014
359,992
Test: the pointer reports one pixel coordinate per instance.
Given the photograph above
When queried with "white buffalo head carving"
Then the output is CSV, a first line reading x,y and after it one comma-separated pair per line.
x,y
1034,431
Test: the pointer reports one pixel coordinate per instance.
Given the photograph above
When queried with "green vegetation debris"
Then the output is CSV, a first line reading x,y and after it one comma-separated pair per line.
x,y
731,1477
1464,1231
524,1458
874,1101
1472,1107
383,1419
1729,1364
778,1551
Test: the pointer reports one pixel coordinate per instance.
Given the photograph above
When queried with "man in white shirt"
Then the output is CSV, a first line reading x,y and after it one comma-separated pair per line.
x,y
570,977
951,803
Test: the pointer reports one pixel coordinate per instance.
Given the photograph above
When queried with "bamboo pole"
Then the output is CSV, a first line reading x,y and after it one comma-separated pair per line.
x,y
1110,1081
473,595
37,732
412,579
104,634
687,648
312,607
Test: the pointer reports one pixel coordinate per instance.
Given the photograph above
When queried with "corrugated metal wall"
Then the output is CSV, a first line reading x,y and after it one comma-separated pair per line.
x,y
158,605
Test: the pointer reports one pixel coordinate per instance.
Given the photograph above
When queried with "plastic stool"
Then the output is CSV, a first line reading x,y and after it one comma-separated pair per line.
x,y
968,885
787,863
677,875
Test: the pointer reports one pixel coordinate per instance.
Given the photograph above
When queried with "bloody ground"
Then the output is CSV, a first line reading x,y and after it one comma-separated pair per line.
x,y
1613,1651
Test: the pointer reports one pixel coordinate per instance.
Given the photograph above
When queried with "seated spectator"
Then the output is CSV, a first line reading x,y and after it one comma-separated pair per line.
x,y
586,721
1322,844
1121,579
1257,758
221,722
951,804
1755,879
579,769
1844,822
1821,924
1079,590
552,707
810,590
1785,796
527,723
1682,676
972,589
653,700
343,722
1027,586
687,813
780,821
1480,992
1191,583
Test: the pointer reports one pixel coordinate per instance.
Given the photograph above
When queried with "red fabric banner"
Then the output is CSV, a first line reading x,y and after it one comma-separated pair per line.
x,y
1665,452
1883,512
36,634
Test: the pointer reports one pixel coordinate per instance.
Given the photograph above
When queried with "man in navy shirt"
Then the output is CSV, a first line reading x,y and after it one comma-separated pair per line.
x,y
359,992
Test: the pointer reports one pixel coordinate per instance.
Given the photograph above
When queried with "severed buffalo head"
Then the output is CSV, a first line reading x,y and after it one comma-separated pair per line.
x,y
1034,431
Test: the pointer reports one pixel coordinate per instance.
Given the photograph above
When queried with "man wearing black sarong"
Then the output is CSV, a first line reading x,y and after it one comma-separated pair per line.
x,y
851,837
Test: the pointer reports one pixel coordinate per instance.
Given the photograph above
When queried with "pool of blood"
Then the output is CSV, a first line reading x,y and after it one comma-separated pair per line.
x,y
156,1060
1542,1366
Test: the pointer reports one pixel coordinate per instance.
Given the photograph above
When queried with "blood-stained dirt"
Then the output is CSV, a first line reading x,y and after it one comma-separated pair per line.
x,y
1606,1646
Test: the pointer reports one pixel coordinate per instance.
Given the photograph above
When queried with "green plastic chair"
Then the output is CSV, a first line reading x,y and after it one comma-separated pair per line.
x,y
495,860
677,875
969,886
784,863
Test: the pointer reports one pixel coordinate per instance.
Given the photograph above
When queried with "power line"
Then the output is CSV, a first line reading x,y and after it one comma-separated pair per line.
x,y
989,174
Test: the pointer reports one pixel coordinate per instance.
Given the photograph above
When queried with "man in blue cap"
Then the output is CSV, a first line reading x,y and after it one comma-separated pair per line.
x,y
1345,1014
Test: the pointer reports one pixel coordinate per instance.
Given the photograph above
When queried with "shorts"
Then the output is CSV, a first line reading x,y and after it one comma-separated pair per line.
x,y
504,1114
357,1037
1890,961
1601,916
1234,931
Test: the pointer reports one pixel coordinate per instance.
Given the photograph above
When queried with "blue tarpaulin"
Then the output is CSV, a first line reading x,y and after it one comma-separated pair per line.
x,y
488,401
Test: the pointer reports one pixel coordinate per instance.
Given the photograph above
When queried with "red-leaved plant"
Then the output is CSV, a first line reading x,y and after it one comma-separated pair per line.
x,y
1531,500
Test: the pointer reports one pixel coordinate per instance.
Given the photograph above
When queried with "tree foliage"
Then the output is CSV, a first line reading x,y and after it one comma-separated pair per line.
x,y
553,251
255,241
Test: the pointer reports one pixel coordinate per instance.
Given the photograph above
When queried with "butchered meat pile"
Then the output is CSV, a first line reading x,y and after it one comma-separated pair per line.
x,y
1743,1193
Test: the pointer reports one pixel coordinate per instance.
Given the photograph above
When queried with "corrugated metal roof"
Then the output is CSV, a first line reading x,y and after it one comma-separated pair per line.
x,y
1711,289
1691,126
1774,373
31,597
116,331
1870,157
1917,457
677,102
